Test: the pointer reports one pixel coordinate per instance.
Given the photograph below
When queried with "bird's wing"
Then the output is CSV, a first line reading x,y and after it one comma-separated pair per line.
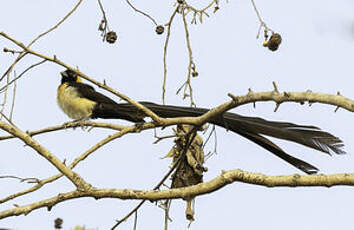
x,y
90,93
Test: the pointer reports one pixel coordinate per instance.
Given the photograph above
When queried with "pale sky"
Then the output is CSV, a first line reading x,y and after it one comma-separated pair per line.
x,y
317,53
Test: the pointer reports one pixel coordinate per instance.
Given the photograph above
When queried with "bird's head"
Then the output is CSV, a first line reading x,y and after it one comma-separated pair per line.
x,y
69,76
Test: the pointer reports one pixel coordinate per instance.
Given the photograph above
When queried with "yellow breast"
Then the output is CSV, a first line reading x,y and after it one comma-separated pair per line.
x,y
72,104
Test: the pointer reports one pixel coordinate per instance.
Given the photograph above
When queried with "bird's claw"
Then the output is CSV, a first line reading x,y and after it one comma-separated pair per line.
x,y
139,125
75,123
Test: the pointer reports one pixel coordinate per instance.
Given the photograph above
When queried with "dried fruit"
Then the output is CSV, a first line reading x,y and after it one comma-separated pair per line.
x,y
273,42
159,29
111,37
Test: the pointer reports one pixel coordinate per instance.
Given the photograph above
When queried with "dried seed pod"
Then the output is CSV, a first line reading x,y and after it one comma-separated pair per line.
x,y
273,42
159,29
180,1
111,37
58,223
195,74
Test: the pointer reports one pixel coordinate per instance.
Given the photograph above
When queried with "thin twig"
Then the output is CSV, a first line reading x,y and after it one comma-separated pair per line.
x,y
141,12
167,211
58,24
165,54
262,23
7,119
162,138
191,63
104,22
70,125
19,76
135,220
13,98
72,165
134,210
28,180
75,178
3,104
19,57
175,165
210,153
203,9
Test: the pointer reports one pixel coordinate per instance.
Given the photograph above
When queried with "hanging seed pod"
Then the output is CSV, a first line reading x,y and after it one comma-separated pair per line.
x,y
159,29
273,42
58,223
111,37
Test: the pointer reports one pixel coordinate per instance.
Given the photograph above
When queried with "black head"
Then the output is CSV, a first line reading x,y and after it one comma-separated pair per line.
x,y
69,76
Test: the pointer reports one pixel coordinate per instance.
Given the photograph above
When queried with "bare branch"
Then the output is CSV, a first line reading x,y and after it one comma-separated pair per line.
x,y
73,164
169,24
261,22
19,76
187,84
3,104
13,99
72,176
226,177
19,57
28,180
56,25
141,12
70,125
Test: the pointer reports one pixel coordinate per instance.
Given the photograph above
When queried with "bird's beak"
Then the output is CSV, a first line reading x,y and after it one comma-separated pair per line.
x,y
64,74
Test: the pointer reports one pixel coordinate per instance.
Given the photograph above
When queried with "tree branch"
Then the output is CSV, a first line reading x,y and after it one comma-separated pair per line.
x,y
226,177
74,177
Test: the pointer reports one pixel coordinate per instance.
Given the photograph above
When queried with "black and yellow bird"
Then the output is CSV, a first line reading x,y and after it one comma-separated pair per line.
x,y
80,101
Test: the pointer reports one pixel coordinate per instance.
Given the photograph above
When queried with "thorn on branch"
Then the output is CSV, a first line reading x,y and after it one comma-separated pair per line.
x,y
250,93
234,98
275,88
276,106
338,94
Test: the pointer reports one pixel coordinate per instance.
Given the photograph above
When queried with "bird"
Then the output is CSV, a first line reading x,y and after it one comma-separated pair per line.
x,y
81,101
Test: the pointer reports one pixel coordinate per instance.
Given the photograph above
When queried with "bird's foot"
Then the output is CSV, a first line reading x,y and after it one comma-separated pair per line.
x,y
75,123
139,125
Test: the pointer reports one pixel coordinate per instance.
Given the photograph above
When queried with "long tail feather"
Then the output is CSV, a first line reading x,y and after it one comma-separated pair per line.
x,y
251,128
310,136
